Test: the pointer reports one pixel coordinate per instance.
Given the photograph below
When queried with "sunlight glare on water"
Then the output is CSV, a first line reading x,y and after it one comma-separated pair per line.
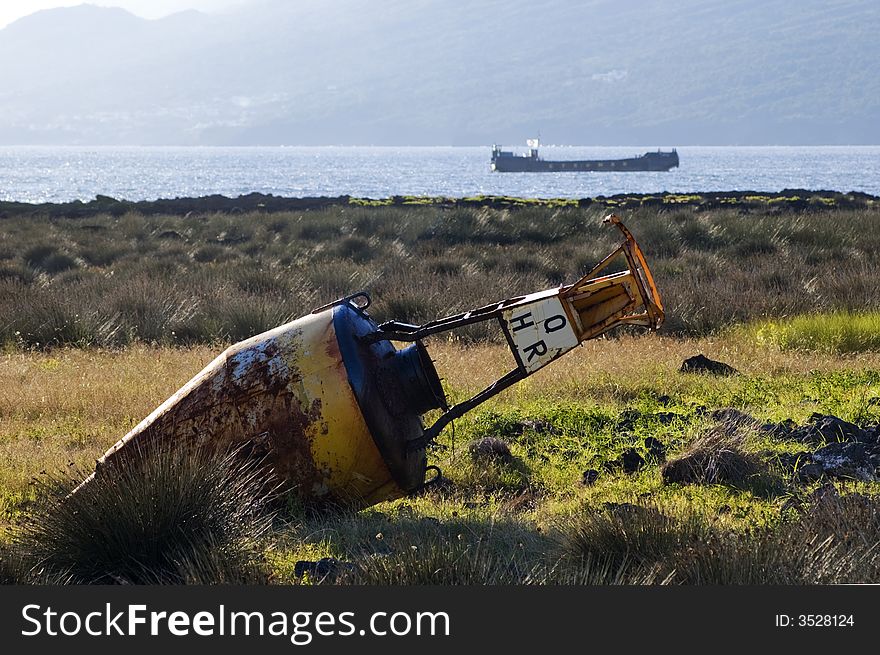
x,y
59,174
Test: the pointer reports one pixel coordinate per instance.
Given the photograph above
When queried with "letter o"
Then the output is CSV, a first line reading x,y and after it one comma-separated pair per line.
x,y
394,619
561,323
64,618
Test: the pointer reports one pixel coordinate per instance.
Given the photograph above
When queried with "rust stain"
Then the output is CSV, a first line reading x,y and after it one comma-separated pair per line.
x,y
290,446
251,397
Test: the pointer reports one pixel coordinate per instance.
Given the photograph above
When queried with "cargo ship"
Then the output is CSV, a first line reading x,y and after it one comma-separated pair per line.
x,y
504,161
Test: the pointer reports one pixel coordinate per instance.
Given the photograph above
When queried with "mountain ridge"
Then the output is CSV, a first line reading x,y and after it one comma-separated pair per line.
x,y
741,72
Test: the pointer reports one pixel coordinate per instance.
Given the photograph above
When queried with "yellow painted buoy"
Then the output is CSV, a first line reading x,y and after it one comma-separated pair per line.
x,y
337,409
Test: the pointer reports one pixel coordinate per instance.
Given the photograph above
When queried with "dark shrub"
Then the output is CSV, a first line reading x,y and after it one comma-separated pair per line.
x,y
170,515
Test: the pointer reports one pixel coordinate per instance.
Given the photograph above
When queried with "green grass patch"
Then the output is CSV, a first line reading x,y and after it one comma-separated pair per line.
x,y
839,332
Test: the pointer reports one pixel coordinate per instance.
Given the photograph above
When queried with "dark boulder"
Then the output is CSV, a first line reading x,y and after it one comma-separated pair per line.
x,y
702,364
793,461
655,448
589,477
836,429
631,461
846,460
810,472
828,429
871,435
326,568
781,430
628,418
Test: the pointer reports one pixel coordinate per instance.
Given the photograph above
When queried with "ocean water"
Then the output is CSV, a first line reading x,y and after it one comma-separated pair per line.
x,y
59,174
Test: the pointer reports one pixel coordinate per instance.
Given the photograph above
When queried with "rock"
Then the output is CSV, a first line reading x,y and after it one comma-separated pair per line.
x,y
828,429
536,425
631,461
628,418
589,478
324,569
810,472
665,418
655,448
733,416
846,460
871,435
489,448
780,430
835,429
793,461
806,434
702,364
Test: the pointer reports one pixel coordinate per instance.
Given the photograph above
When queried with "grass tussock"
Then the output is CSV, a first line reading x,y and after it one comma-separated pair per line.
x,y
171,516
835,541
441,564
624,532
840,332
716,456
830,543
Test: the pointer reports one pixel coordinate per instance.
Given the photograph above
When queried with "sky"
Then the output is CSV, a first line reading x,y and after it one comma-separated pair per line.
x,y
11,10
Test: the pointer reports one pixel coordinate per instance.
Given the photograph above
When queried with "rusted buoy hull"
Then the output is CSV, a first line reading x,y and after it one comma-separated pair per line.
x,y
337,409
307,396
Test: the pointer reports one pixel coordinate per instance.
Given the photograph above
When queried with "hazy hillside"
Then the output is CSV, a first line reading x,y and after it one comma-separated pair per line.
x,y
435,72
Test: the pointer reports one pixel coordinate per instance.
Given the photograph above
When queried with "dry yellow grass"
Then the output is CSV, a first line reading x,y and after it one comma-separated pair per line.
x,y
68,406
616,369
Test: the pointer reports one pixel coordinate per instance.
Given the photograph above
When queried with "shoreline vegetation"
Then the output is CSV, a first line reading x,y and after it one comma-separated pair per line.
x,y
611,466
791,199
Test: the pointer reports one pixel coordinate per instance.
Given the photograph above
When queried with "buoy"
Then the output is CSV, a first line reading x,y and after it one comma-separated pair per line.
x,y
337,408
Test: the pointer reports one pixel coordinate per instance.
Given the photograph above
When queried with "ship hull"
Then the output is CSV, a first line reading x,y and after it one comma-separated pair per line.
x,y
649,162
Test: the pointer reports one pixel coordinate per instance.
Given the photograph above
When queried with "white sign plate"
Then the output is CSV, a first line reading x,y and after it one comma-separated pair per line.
x,y
539,331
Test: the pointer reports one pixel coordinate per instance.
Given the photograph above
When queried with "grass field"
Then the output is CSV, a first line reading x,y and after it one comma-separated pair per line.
x,y
518,520
110,281
741,289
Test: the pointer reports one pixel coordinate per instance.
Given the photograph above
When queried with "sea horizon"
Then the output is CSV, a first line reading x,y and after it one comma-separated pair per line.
x,y
46,173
